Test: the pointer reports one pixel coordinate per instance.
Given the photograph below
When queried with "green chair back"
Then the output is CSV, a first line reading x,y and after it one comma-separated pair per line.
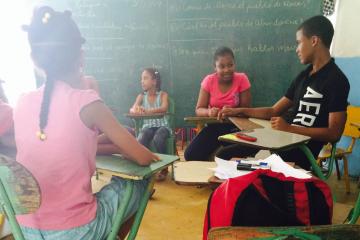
x,y
19,193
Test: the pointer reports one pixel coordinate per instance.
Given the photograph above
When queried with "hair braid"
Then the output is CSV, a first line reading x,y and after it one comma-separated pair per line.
x,y
45,104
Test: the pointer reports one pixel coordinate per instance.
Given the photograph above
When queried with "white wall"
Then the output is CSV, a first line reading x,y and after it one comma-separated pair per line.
x,y
347,30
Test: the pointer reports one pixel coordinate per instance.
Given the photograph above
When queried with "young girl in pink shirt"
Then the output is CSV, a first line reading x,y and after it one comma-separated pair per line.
x,y
223,89
56,129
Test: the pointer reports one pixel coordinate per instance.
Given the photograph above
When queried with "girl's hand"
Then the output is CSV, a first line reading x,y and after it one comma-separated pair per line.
x,y
151,156
139,110
213,112
229,112
279,123
155,157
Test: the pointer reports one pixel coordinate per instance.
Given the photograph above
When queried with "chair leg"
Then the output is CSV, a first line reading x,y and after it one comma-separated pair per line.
x,y
346,174
183,138
337,169
140,212
129,187
10,213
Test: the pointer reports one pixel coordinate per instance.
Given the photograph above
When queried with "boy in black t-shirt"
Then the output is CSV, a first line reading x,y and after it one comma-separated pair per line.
x,y
316,101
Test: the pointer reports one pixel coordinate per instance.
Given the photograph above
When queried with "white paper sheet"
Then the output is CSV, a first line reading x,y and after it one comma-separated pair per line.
x,y
227,169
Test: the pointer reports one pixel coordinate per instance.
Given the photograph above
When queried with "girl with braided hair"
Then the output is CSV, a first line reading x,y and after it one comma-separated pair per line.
x,y
56,129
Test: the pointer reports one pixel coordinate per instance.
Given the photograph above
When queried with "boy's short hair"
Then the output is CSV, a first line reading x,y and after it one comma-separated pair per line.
x,y
318,26
222,51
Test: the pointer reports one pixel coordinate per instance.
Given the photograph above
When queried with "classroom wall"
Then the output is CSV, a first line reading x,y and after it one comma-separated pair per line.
x,y
346,50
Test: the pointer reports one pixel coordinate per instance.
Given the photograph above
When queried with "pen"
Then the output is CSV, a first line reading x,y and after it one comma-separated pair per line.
x,y
253,163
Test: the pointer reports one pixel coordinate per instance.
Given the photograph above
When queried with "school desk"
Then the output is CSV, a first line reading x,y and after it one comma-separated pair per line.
x,y
193,172
244,124
333,232
116,165
274,141
262,122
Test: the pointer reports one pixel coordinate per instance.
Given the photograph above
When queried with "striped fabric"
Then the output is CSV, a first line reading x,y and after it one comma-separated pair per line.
x,y
156,122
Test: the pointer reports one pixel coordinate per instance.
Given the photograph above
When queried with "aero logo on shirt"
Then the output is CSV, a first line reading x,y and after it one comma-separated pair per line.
x,y
308,110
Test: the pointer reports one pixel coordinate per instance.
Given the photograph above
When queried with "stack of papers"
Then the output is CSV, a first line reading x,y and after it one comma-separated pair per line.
x,y
227,169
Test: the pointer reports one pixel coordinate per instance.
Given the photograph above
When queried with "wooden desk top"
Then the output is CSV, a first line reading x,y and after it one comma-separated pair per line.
x,y
262,122
245,123
116,165
268,139
193,172
240,122
336,232
202,119
22,187
145,115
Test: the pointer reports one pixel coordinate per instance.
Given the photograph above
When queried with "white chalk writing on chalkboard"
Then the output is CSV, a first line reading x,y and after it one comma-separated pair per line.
x,y
180,36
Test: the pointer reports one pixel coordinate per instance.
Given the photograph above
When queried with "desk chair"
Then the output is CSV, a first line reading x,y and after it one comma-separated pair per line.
x,y
116,165
353,115
170,141
19,193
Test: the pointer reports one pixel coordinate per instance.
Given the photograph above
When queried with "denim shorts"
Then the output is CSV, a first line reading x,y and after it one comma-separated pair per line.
x,y
108,201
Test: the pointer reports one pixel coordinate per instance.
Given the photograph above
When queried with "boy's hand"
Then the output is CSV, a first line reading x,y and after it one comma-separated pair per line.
x,y
279,123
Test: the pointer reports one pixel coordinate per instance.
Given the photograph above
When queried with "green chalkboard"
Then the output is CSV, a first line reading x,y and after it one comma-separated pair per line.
x,y
179,38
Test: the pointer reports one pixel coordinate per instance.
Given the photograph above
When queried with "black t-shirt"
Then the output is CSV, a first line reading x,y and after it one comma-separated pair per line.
x,y
314,97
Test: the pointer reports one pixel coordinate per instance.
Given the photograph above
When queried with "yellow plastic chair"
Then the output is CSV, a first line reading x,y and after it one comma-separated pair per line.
x,y
353,116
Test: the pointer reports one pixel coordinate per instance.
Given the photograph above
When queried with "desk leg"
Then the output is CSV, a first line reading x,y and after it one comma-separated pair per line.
x,y
141,209
312,160
199,127
129,187
355,212
137,125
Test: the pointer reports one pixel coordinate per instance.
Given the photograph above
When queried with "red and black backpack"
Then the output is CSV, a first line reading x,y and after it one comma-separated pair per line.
x,y
267,198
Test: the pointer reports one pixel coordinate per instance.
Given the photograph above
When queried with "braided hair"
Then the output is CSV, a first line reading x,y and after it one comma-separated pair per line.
x,y
55,42
154,75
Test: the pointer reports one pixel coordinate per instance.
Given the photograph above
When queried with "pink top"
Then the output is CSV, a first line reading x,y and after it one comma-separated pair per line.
x,y
89,82
62,164
231,98
6,117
